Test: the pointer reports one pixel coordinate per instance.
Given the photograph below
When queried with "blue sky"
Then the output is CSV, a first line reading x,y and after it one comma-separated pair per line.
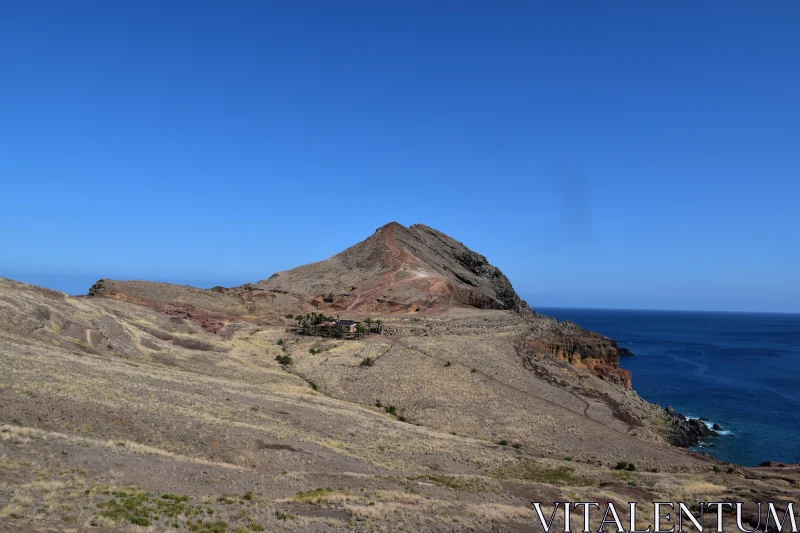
x,y
626,154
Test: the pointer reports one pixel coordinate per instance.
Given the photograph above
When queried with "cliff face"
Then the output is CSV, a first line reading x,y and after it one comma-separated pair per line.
x,y
584,349
489,287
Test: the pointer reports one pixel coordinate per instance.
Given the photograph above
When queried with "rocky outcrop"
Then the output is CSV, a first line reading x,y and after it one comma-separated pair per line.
x,y
584,349
624,352
620,376
685,432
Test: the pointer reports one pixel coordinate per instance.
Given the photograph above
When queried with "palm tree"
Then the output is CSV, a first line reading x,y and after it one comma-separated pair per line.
x,y
368,322
360,329
379,322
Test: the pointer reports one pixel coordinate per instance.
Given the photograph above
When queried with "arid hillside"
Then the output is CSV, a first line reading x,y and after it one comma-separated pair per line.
x,y
155,407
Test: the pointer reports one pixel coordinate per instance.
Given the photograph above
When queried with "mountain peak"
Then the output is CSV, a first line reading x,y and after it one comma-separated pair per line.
x,y
400,269
391,225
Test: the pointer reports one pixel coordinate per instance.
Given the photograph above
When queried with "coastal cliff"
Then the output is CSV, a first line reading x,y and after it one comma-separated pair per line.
x,y
584,349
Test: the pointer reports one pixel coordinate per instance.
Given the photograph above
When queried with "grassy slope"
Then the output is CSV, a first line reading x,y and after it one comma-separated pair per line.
x,y
221,438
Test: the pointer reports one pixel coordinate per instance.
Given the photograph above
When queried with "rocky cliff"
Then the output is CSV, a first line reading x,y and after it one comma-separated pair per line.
x,y
583,349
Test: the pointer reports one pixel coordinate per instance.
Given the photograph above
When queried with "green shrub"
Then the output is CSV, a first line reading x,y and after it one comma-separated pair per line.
x,y
503,442
448,364
319,495
367,361
624,465
284,359
280,342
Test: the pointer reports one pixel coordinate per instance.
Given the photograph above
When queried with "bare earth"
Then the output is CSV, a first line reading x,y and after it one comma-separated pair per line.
x,y
154,407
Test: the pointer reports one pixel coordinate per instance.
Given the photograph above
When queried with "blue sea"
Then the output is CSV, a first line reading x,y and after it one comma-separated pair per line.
x,y
740,370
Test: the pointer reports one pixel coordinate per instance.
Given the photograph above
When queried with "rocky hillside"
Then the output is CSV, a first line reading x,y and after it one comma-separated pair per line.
x,y
159,407
397,269
464,405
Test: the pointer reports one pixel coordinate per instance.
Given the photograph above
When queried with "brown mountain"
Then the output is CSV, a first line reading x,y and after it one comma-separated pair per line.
x,y
397,269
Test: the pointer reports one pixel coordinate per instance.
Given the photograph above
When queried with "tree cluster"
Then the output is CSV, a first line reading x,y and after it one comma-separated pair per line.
x,y
320,324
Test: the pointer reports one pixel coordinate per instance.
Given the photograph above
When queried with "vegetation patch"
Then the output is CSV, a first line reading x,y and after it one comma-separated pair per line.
x,y
171,510
9,463
624,475
145,509
622,465
319,495
198,526
141,508
528,470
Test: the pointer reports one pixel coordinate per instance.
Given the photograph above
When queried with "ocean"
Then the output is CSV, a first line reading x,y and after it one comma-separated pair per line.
x,y
740,370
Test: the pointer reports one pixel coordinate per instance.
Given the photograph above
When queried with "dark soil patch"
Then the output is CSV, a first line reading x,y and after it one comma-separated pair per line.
x,y
261,445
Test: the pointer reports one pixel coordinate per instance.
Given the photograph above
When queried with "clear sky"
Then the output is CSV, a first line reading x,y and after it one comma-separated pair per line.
x,y
602,154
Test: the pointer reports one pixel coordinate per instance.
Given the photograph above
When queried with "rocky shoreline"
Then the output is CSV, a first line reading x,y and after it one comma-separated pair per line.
x,y
687,432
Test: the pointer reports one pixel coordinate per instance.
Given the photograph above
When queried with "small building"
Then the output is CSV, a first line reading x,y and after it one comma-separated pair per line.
x,y
346,326
349,326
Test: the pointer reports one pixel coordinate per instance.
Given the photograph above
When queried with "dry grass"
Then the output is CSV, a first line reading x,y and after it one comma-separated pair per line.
x,y
146,416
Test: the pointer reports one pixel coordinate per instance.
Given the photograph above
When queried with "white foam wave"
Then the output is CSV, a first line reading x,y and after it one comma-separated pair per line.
x,y
710,425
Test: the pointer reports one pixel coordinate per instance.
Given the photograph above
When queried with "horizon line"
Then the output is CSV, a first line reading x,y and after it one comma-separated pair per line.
x,y
667,310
